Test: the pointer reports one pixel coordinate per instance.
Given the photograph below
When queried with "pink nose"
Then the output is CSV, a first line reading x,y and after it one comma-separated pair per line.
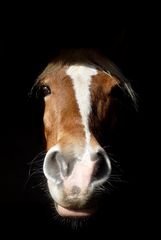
x,y
77,175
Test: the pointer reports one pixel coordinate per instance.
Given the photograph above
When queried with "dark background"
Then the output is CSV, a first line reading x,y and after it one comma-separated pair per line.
x,y
29,40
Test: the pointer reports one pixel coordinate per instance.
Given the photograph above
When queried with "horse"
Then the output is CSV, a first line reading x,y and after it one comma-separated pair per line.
x,y
81,89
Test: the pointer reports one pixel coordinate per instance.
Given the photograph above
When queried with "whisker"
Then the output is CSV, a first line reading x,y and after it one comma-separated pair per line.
x,y
41,184
39,158
35,166
41,154
31,175
37,161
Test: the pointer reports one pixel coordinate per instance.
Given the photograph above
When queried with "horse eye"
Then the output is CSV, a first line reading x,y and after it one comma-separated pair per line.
x,y
45,90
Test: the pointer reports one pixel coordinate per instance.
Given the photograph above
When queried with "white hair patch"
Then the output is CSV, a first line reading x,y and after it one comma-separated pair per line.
x,y
81,78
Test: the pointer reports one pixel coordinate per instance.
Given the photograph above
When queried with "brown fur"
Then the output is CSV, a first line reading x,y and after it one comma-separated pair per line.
x,y
62,119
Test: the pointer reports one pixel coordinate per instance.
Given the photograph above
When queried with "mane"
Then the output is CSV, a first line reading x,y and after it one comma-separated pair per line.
x,y
89,57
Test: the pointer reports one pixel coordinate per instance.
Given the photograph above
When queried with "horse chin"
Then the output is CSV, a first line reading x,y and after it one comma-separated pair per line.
x,y
73,213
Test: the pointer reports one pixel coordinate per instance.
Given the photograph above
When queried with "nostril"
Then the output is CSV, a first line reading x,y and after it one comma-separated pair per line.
x,y
102,167
54,166
62,164
50,166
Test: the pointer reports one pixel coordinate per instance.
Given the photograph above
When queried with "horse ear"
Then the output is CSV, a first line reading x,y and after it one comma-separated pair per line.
x,y
131,94
125,96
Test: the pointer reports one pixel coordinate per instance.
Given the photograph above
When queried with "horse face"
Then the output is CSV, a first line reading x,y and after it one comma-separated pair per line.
x,y
77,99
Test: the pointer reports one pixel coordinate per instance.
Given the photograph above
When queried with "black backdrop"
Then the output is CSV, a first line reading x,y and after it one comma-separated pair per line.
x,y
27,46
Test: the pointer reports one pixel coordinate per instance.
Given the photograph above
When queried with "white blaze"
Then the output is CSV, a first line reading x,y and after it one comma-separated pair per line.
x,y
81,78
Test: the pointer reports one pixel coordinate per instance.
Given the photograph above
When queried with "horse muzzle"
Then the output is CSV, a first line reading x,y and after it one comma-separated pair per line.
x,y
72,180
